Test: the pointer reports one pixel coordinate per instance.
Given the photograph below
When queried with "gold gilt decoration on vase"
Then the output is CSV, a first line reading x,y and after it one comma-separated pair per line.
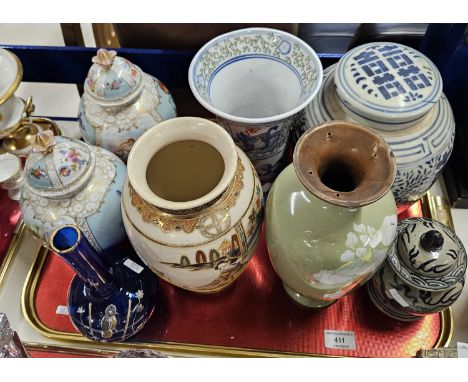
x,y
188,220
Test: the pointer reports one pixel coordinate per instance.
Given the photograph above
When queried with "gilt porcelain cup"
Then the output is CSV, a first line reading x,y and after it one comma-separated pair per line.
x,y
257,81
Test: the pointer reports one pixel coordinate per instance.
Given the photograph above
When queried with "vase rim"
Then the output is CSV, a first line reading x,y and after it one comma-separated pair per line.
x,y
359,155
233,36
174,130
73,247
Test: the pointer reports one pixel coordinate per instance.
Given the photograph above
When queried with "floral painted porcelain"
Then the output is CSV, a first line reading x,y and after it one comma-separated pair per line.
x,y
256,81
194,230
105,304
424,272
120,103
397,92
67,181
329,218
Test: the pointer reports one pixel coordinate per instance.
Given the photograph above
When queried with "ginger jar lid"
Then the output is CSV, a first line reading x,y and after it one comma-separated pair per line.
x,y
58,166
387,82
428,255
112,79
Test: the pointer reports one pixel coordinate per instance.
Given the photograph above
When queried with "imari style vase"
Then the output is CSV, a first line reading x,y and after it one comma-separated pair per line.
x,y
120,103
104,304
192,204
67,181
330,219
424,272
396,92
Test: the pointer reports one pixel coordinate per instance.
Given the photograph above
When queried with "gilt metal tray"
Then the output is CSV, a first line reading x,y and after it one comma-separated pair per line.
x,y
255,317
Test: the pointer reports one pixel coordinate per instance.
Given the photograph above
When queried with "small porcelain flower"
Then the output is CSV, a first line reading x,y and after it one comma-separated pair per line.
x,y
80,310
43,141
105,58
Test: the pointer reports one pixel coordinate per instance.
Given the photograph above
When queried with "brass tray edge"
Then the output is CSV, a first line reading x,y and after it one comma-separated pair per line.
x,y
27,304
16,241
29,312
61,349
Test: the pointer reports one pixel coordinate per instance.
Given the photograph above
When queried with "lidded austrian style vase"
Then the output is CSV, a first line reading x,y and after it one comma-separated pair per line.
x,y
67,181
397,92
120,103
424,272
104,303
192,204
330,219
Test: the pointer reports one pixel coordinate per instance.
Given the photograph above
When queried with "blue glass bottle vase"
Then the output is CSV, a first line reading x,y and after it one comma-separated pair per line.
x,y
104,303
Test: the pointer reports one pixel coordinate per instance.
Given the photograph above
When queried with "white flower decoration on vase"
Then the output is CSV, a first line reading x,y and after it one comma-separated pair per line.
x,y
364,250
365,238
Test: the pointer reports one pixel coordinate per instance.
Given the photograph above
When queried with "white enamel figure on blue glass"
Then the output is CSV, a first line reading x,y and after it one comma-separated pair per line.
x,y
67,181
396,91
120,103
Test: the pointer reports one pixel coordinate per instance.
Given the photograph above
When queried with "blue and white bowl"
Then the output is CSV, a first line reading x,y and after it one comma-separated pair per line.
x,y
256,81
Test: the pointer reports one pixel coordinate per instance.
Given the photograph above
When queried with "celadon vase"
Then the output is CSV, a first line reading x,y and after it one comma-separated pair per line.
x,y
330,219
193,218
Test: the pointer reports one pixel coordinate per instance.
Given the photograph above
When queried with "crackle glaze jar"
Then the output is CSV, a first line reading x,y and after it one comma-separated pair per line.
x,y
121,102
192,204
397,92
329,218
67,181
424,272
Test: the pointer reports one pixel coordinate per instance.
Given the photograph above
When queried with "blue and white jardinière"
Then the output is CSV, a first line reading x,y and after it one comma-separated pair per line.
x,y
256,81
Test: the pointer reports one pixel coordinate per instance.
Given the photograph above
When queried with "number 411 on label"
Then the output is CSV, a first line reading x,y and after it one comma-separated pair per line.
x,y
335,339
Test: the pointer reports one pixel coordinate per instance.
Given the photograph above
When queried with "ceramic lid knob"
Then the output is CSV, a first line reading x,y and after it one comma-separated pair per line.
x,y
112,78
428,254
432,241
387,82
58,166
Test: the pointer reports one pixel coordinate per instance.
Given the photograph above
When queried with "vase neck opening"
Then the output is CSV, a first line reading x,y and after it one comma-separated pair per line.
x,y
344,164
69,243
340,175
185,167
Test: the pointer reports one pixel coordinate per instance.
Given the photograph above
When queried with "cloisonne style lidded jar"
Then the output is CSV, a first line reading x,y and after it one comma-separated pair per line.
x,y
120,103
424,272
192,204
397,92
330,219
67,181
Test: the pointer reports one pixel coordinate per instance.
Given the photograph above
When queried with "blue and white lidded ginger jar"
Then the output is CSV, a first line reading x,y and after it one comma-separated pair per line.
x,y
120,103
397,92
67,181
